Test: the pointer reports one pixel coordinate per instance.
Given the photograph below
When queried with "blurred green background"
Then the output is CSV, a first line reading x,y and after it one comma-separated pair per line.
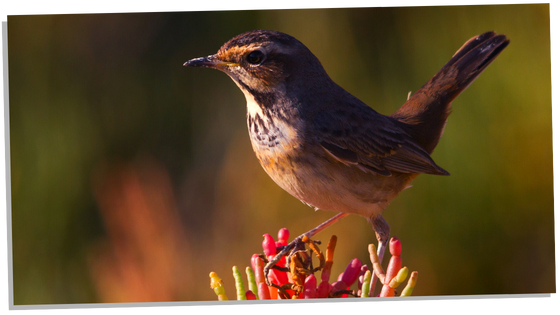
x,y
132,177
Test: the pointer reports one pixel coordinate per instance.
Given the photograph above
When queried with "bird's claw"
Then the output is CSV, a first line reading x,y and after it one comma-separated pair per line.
x,y
292,248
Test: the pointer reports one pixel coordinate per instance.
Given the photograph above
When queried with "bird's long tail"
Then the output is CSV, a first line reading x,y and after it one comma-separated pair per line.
x,y
424,114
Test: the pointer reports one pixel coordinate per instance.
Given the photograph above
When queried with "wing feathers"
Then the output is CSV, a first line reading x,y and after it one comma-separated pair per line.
x,y
375,144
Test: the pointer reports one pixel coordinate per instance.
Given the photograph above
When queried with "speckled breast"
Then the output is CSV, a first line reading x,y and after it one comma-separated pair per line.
x,y
278,148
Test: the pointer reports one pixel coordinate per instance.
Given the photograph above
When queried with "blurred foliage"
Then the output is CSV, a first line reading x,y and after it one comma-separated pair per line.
x,y
133,177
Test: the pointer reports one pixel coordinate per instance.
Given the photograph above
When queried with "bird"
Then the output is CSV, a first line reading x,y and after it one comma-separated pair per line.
x,y
326,147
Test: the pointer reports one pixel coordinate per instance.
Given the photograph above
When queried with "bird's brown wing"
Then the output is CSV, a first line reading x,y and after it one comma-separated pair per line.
x,y
372,142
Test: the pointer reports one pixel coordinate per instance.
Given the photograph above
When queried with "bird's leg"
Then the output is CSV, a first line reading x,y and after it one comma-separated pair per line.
x,y
296,244
382,231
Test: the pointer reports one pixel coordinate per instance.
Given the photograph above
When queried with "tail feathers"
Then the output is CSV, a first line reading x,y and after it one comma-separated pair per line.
x,y
424,114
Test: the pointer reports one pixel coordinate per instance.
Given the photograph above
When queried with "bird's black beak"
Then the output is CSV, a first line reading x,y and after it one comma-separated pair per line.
x,y
210,62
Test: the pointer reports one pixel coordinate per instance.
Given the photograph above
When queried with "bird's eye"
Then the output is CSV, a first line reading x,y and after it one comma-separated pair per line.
x,y
255,57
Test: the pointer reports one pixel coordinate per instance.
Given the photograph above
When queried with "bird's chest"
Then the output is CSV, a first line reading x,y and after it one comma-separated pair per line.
x,y
272,138
277,145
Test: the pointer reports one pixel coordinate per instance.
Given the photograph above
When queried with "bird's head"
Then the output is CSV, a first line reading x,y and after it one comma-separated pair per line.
x,y
263,61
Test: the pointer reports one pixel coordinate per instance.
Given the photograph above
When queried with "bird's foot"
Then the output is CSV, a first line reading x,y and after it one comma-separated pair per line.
x,y
282,251
295,261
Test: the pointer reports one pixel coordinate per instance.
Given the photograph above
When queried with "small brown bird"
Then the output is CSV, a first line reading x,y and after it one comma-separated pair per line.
x,y
326,147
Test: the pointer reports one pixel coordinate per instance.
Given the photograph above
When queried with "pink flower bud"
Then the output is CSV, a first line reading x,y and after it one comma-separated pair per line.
x,y
268,245
284,235
352,271
310,287
395,246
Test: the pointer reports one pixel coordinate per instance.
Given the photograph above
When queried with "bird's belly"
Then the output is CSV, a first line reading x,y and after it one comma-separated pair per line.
x,y
305,171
